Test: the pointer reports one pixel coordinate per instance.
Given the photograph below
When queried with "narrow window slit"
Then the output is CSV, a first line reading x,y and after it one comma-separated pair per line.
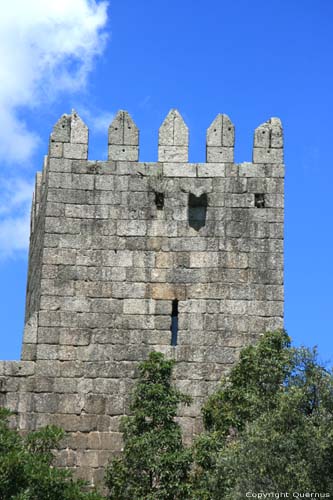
x,y
259,200
174,323
159,200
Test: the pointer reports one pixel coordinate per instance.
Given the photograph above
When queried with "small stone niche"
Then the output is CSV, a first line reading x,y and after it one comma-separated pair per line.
x,y
159,200
197,210
259,200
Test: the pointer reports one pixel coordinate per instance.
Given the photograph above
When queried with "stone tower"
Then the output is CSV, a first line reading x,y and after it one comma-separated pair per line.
x,y
128,257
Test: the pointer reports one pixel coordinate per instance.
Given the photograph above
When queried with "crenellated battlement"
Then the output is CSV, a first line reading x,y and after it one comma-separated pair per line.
x,y
128,257
69,140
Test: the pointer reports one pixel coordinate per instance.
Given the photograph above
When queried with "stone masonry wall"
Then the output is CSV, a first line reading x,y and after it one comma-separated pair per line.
x,y
113,245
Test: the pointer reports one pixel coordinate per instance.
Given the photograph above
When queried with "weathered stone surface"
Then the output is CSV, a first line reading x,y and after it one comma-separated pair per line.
x,y
173,139
123,138
268,142
113,246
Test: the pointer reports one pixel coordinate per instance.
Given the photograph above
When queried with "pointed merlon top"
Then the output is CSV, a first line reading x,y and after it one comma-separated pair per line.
x,y
221,132
269,134
69,138
123,130
173,131
220,140
62,129
123,138
70,128
268,142
79,130
173,139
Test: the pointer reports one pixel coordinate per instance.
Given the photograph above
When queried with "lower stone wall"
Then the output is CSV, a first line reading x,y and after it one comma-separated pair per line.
x,y
37,399
89,407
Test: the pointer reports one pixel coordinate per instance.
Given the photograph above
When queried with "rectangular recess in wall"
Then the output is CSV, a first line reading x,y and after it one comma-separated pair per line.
x,y
259,200
159,200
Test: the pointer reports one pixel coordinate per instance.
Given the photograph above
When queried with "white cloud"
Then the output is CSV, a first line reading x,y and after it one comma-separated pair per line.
x,y
15,205
15,193
14,235
96,119
101,121
45,48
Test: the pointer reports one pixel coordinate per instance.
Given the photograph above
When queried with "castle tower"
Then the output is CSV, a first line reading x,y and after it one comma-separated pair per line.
x,y
128,257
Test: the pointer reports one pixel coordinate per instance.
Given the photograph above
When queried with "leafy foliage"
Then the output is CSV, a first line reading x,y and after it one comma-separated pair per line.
x,y
269,426
26,471
154,463
252,386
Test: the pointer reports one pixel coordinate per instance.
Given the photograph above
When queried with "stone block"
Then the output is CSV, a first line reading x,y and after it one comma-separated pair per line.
x,y
71,196
274,170
18,368
65,385
82,181
254,169
239,200
47,351
162,228
91,289
179,170
231,170
195,244
274,185
269,155
62,225
55,209
45,402
47,335
136,306
163,291
88,458
71,181
104,182
56,149
70,403
57,286
58,318
164,260
75,151
129,290
210,169
48,368
122,258
59,164
131,228
123,152
216,154
204,259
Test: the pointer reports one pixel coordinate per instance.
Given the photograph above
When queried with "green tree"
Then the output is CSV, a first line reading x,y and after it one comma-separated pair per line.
x,y
154,463
269,426
26,471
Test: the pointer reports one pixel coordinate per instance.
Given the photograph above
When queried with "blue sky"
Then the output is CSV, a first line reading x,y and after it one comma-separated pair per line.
x,y
251,59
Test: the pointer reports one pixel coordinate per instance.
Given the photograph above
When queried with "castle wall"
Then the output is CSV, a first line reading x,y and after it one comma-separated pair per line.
x,y
114,244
